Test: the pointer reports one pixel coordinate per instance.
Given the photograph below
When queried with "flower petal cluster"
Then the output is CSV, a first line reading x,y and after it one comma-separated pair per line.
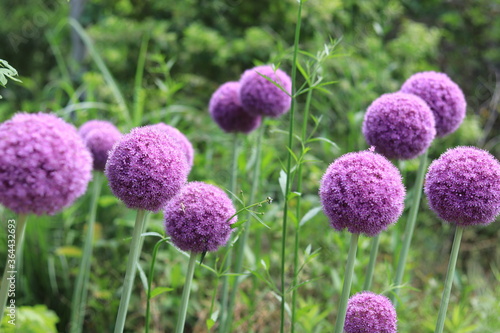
x,y
399,125
362,192
226,110
197,218
368,312
44,164
180,138
444,97
260,97
463,186
146,168
99,137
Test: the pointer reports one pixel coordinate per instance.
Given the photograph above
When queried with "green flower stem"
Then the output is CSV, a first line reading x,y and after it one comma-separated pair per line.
x,y
410,226
128,282
228,261
449,280
346,289
185,294
150,281
80,292
244,237
19,240
289,167
371,264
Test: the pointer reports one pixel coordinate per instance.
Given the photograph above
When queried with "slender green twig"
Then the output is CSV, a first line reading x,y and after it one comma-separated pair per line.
x,y
80,292
371,264
185,294
449,280
346,289
128,282
150,280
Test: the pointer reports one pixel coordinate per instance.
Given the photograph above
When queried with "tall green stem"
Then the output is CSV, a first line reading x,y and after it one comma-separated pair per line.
x,y
185,294
289,166
128,282
10,270
80,293
410,226
150,281
449,280
244,237
346,289
371,264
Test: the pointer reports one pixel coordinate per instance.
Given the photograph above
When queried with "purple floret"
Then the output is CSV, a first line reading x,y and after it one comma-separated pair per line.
x,y
197,218
180,138
463,186
260,97
44,164
146,168
399,126
99,139
444,97
226,110
362,192
368,312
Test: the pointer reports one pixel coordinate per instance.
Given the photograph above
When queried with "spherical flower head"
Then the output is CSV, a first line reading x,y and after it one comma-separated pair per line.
x,y
362,192
444,97
370,313
399,125
146,168
261,97
226,110
44,164
197,218
95,124
99,141
463,186
178,137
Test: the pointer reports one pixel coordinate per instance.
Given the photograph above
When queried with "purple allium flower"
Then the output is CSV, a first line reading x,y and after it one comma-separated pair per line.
x,y
370,313
44,165
197,217
444,97
99,139
226,110
362,192
463,186
180,138
399,125
146,168
261,97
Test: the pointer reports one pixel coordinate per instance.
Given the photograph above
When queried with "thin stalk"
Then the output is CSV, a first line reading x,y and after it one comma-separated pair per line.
x,y
150,281
11,269
227,263
289,166
185,294
371,264
298,212
244,237
138,97
128,282
80,293
449,280
346,289
410,226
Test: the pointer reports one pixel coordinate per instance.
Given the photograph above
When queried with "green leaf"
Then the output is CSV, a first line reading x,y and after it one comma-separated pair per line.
x,y
160,290
282,181
237,224
309,215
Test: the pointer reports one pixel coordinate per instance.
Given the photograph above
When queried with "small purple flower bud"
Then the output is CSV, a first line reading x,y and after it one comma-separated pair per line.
x,y
370,313
99,138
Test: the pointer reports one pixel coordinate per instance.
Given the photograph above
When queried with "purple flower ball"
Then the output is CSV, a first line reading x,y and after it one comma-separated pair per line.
x,y
362,192
95,124
444,97
399,126
197,218
463,186
260,97
44,165
146,168
99,139
370,313
226,110
180,138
